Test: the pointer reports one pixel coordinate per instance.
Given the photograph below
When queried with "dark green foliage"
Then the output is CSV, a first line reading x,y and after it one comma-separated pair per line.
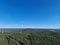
x,y
31,37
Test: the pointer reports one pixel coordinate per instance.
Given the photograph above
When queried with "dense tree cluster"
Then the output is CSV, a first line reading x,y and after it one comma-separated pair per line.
x,y
31,37
37,37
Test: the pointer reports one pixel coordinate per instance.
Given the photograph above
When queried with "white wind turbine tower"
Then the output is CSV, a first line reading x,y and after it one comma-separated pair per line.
x,y
2,30
22,24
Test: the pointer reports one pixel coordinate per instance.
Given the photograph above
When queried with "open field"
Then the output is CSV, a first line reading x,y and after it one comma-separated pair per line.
x,y
30,37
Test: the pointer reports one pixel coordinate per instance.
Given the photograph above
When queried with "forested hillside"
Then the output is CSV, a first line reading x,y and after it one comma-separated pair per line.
x,y
30,37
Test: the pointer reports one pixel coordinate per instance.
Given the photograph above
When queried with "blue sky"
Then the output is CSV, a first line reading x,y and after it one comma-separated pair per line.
x,y
29,14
